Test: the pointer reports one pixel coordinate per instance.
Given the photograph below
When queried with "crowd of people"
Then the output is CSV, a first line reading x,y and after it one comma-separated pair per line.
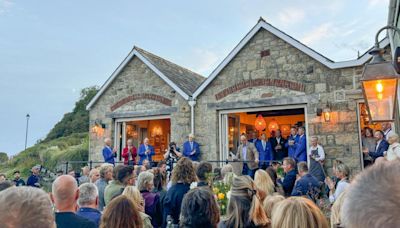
x,y
178,192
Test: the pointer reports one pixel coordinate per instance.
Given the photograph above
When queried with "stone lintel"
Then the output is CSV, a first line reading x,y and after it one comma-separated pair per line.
x,y
144,113
294,100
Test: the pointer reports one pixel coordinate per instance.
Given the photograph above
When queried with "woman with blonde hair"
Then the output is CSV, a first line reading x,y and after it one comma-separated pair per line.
x,y
264,182
134,194
244,207
336,209
297,212
270,202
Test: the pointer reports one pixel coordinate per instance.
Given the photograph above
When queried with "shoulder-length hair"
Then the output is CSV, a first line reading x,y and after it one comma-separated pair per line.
x,y
264,182
183,172
297,212
244,207
121,212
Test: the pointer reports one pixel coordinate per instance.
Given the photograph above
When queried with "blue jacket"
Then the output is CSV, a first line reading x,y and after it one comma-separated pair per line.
x,y
300,153
288,182
383,146
265,155
187,150
292,148
108,155
93,215
307,185
143,155
33,181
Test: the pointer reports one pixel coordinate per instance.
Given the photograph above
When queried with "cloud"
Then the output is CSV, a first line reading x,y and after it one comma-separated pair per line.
x,y
204,61
374,3
5,6
291,16
323,31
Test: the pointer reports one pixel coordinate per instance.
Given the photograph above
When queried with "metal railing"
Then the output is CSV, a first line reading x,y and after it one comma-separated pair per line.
x,y
92,164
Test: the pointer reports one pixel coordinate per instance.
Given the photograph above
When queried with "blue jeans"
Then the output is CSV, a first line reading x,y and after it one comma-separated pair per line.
x,y
247,171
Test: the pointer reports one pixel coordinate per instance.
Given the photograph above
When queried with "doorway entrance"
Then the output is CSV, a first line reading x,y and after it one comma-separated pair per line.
x,y
234,123
156,129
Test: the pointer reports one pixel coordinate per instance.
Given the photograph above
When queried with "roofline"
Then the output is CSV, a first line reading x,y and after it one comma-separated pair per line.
x,y
295,43
122,65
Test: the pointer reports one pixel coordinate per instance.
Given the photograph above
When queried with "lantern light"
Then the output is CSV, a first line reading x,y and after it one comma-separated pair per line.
x,y
327,113
379,84
260,123
273,126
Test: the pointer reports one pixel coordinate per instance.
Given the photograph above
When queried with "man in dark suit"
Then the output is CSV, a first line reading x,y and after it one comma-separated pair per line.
x,y
288,181
307,184
278,146
265,151
381,145
254,138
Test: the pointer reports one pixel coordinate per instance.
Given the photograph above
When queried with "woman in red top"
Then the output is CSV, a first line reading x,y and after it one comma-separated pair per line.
x,y
129,153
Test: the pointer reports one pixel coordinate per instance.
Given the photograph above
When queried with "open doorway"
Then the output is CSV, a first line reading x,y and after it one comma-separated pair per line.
x,y
158,131
234,123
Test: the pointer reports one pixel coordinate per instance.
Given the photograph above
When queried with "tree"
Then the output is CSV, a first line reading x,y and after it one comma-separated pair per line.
x,y
3,157
76,121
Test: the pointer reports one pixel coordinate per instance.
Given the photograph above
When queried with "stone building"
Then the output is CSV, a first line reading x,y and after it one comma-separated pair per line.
x,y
268,74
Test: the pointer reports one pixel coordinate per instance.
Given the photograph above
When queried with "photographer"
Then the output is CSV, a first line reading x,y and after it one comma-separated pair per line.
x,y
172,156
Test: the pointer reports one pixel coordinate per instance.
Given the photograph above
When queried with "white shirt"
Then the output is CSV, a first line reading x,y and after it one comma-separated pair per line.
x,y
377,145
388,133
393,152
341,186
321,152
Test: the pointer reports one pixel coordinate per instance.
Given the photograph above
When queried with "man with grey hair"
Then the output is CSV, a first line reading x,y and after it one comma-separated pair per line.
x,y
191,149
306,184
109,153
88,202
372,199
65,194
106,175
25,207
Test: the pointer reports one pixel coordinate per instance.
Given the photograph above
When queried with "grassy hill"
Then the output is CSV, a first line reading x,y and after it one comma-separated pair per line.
x,y
68,140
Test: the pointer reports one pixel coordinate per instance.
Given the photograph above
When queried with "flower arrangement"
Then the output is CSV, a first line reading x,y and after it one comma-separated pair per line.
x,y
221,191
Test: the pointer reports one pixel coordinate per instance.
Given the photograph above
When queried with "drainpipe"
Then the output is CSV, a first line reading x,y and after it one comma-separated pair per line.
x,y
192,103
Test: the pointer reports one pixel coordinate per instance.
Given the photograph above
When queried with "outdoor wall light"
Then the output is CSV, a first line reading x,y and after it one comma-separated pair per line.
x,y
379,84
327,113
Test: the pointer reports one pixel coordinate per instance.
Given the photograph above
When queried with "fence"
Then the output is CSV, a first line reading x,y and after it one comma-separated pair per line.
x,y
92,164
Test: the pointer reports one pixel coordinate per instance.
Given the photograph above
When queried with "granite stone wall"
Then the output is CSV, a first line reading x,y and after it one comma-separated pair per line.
x,y
138,91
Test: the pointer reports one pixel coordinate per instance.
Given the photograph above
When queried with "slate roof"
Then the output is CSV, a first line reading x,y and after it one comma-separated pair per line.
x,y
184,78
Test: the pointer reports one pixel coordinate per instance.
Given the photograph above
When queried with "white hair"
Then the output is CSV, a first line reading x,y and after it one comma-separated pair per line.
x,y
191,135
87,194
26,207
106,140
373,198
143,179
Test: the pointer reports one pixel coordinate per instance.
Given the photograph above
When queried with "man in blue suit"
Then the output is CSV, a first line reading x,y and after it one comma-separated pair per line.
x,y
381,145
146,151
307,185
191,149
109,153
300,153
264,152
293,139
288,181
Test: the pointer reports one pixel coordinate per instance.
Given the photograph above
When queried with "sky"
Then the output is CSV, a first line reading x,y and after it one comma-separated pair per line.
x,y
51,49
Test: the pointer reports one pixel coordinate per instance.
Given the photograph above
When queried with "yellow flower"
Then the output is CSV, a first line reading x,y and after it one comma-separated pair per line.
x,y
215,190
221,196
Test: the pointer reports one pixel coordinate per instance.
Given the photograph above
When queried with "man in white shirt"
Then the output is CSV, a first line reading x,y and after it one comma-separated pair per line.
x,y
387,130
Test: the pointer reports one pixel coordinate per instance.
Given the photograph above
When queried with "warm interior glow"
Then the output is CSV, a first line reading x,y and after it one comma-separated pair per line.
x,y
273,126
380,96
260,123
379,86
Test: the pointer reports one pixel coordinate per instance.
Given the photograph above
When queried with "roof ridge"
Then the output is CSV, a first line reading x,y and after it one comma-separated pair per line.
x,y
169,61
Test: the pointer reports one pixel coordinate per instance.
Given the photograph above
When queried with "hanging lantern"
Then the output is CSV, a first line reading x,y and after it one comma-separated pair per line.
x,y
260,123
273,126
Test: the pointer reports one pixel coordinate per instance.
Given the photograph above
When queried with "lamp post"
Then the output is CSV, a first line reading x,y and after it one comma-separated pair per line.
x,y
379,84
26,132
